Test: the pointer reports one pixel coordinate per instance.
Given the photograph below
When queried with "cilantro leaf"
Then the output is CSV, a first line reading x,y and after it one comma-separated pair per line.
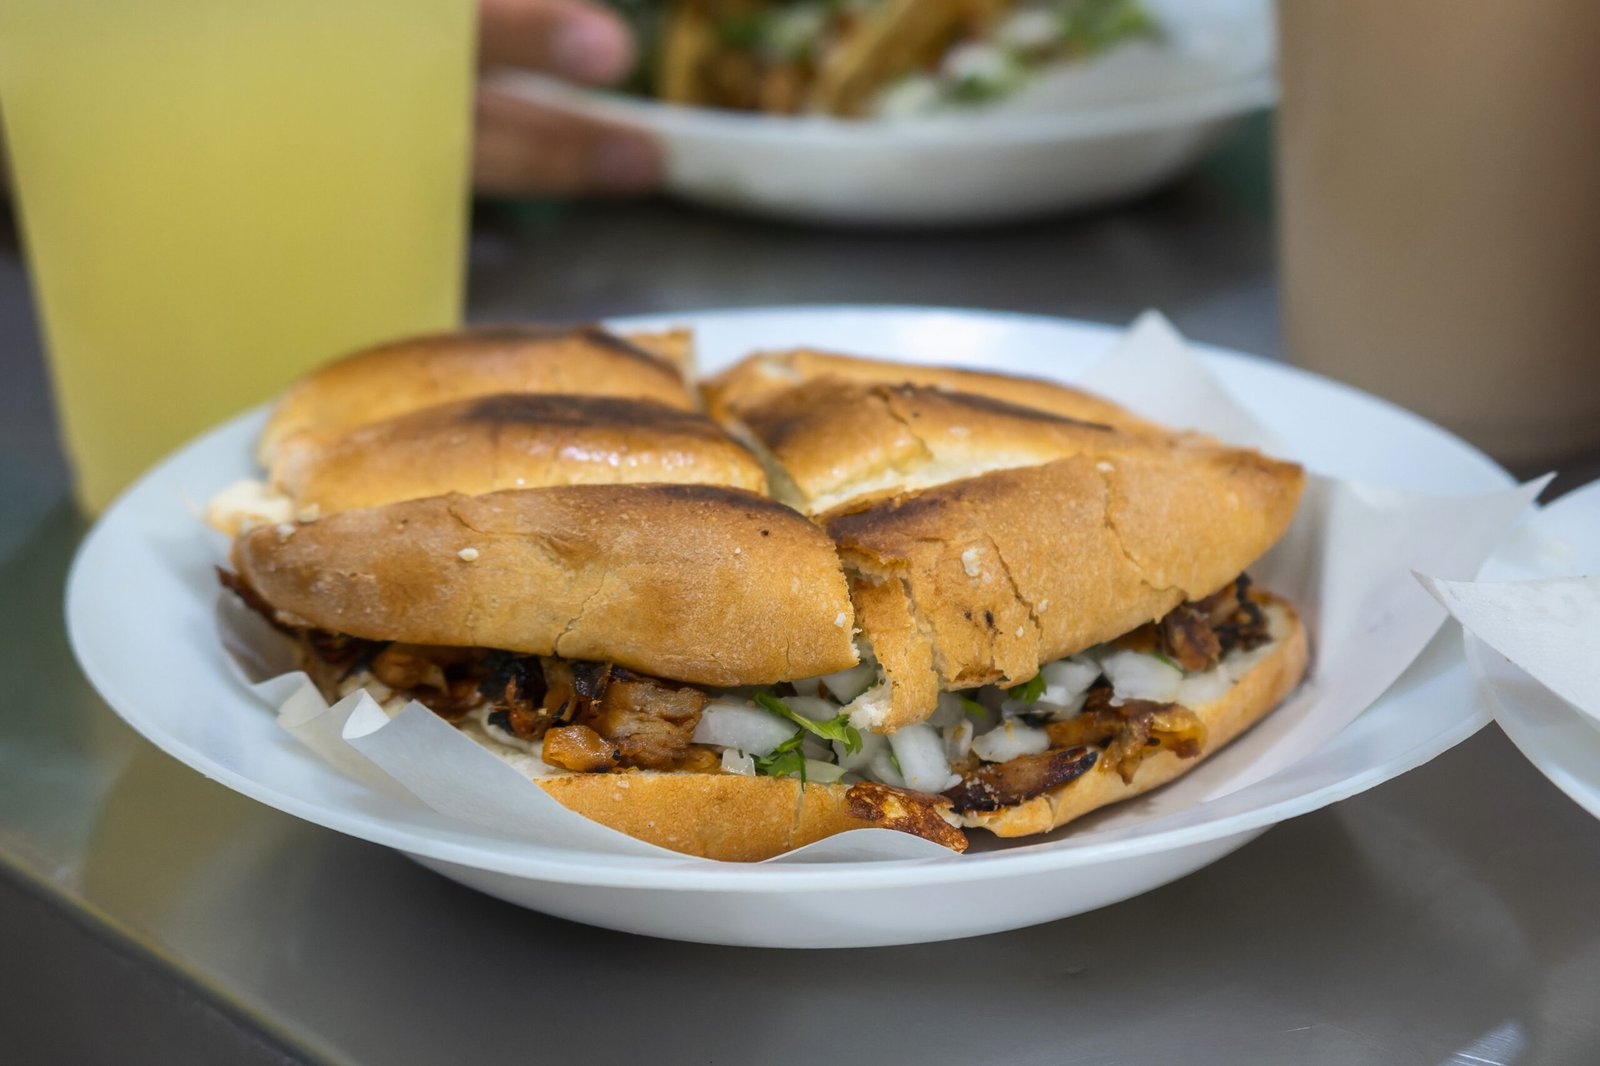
x,y
1028,691
894,761
838,728
786,760
973,708
1168,660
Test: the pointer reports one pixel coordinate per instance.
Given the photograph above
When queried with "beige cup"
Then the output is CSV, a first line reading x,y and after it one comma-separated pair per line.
x,y
1439,205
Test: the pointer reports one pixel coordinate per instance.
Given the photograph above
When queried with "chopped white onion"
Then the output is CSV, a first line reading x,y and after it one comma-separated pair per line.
x,y
872,745
1067,679
1199,689
822,773
879,768
1010,739
920,752
738,725
735,761
1135,675
958,740
846,685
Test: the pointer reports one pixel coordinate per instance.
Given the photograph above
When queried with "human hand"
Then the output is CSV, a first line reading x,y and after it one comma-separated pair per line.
x,y
524,149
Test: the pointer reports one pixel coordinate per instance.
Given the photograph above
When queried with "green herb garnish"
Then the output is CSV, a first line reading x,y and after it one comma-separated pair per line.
x,y
838,728
1028,691
894,761
1166,659
785,760
973,708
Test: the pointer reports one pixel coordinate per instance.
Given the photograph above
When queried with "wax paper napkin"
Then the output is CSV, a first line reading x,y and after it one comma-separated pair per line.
x,y
1548,628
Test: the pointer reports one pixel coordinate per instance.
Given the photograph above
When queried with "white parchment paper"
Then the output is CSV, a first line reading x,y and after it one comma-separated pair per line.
x,y
1345,564
1550,629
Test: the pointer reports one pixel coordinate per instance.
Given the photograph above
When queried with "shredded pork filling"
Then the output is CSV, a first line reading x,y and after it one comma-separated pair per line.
x,y
982,750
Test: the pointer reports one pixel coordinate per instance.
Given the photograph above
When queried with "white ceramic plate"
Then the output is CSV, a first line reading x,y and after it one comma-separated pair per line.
x,y
1561,540
140,603
1096,132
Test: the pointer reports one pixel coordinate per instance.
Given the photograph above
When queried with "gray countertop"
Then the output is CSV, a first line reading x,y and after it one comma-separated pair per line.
x,y
149,915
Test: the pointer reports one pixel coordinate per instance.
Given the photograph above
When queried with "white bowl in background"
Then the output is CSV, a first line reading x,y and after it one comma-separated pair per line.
x,y
1090,133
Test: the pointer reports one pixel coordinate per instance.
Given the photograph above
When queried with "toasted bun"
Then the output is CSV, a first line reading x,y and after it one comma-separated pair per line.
x,y
730,817
407,375
759,376
695,583
676,346
1260,690
979,581
832,442
510,440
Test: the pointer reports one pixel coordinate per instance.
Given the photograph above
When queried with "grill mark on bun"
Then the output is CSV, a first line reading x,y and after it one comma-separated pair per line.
x,y
534,408
988,405
511,334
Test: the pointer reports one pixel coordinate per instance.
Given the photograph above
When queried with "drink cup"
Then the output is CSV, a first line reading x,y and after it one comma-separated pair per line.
x,y
217,195
1439,179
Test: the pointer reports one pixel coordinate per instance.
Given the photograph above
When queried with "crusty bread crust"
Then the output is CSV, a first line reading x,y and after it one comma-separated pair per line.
x,y
758,376
1019,567
510,440
1249,700
730,817
838,441
407,375
676,346
695,583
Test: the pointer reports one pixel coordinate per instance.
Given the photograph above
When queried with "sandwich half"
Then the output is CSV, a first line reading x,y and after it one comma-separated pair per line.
x,y
1036,571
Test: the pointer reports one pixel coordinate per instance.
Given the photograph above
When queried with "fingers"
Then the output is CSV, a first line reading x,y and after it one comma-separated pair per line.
x,y
523,149
572,39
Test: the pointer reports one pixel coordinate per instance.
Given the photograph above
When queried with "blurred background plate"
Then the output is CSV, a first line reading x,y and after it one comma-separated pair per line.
x,y
1089,133
1561,540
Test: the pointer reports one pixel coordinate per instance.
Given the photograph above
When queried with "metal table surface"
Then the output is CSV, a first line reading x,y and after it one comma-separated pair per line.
x,y
149,915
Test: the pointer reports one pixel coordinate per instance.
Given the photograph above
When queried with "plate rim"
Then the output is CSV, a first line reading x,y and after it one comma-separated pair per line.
x,y
540,863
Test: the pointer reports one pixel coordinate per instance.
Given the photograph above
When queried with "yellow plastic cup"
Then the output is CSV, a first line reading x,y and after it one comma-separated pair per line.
x,y
217,195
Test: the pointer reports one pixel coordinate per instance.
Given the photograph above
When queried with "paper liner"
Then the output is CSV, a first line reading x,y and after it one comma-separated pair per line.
x,y
1549,629
1345,565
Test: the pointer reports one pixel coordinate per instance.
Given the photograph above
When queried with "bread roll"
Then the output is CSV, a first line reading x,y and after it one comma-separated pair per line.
x,y
694,583
758,376
731,817
406,375
980,581
510,440
831,442
676,346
